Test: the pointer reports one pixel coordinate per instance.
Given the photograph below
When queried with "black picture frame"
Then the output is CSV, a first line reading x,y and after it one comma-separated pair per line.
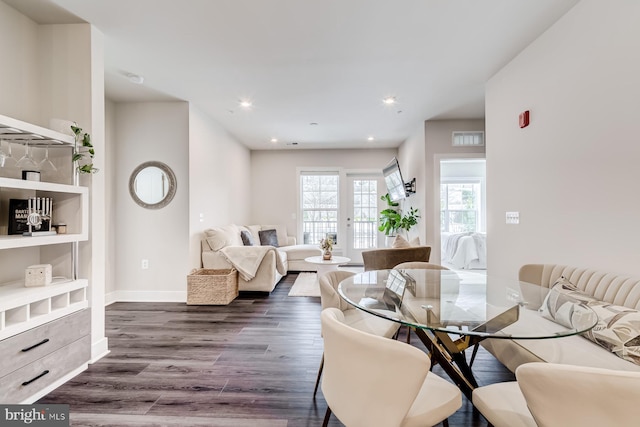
x,y
18,212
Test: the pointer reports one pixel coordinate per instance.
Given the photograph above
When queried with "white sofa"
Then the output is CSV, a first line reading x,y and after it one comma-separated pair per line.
x,y
270,270
574,350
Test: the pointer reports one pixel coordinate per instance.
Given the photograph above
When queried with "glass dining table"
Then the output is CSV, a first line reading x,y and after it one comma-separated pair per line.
x,y
450,313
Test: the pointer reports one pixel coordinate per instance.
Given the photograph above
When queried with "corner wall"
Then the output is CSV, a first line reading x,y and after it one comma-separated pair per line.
x,y
573,173
219,180
148,131
411,157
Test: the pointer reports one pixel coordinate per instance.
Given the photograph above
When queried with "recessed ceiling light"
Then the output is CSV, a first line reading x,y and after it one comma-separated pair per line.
x,y
274,140
245,103
370,138
389,100
313,124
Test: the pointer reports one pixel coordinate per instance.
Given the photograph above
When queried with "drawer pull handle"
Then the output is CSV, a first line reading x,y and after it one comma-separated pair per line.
x,y
46,340
33,379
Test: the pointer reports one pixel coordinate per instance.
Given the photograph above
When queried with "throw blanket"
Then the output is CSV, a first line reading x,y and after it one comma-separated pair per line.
x,y
247,259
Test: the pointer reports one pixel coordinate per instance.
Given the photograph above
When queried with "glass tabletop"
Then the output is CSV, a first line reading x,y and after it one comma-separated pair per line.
x,y
489,307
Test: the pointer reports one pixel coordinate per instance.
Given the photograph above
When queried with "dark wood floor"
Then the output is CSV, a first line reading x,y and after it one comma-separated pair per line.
x,y
251,363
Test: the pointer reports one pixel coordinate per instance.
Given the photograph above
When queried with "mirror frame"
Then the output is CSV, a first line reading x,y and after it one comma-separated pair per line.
x,y
171,178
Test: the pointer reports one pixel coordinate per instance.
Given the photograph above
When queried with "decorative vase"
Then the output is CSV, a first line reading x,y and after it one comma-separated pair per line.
x,y
326,255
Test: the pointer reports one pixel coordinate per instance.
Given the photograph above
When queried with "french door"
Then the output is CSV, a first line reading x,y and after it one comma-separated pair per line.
x,y
362,212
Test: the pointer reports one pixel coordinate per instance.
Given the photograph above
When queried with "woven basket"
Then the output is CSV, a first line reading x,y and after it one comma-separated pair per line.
x,y
212,287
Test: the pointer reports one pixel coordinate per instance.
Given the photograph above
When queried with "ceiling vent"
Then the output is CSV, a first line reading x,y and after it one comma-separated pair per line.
x,y
468,139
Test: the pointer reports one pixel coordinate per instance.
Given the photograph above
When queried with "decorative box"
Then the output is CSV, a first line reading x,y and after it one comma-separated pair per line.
x,y
38,275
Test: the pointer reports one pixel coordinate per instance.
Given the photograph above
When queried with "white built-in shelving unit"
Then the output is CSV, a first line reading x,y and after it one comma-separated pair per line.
x,y
28,313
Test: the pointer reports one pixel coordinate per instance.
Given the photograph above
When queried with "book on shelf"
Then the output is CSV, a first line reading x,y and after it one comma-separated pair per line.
x,y
18,213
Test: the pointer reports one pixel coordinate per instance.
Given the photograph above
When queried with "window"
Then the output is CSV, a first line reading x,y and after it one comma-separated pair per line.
x,y
319,196
460,207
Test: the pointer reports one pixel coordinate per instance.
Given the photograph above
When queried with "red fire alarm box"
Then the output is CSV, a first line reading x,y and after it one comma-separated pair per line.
x,y
524,119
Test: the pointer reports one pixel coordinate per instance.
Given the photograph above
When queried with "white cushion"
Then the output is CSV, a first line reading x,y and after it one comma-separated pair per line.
x,y
573,350
400,242
219,237
502,404
300,252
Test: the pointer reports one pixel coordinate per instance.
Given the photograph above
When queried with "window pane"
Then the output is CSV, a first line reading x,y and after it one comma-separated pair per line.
x,y
364,219
319,207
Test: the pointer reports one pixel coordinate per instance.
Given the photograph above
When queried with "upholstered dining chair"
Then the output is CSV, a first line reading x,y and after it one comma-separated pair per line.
x,y
550,394
373,381
329,298
416,265
387,258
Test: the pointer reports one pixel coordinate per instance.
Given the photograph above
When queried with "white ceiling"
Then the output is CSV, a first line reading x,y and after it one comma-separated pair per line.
x,y
329,62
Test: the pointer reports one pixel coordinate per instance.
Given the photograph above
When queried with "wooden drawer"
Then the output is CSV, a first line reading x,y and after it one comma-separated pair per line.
x,y
30,379
22,349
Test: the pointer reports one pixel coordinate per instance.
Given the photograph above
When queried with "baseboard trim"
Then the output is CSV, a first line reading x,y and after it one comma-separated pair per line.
x,y
147,296
99,349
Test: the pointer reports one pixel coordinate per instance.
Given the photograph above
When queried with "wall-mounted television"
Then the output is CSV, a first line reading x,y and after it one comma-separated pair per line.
x,y
393,180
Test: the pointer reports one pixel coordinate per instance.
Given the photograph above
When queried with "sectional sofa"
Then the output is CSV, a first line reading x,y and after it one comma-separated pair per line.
x,y
263,254
616,300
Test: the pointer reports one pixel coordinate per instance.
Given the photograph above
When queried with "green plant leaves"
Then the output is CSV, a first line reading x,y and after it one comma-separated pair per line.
x,y
85,140
392,219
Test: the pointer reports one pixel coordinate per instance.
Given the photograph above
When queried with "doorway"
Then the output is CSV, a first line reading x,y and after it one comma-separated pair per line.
x,y
463,213
363,196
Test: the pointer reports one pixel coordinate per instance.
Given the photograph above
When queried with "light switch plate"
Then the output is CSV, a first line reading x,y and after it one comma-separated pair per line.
x,y
513,217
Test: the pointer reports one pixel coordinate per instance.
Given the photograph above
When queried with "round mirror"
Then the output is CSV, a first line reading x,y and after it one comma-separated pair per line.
x,y
152,185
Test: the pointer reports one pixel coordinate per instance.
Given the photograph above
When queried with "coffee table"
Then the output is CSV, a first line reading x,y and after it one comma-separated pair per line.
x,y
450,316
324,266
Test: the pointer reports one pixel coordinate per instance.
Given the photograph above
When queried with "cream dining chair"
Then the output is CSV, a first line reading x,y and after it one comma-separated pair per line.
x,y
355,318
417,265
550,394
370,381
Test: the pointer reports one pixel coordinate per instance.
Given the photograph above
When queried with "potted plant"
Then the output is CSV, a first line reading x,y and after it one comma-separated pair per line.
x,y
392,219
326,245
83,150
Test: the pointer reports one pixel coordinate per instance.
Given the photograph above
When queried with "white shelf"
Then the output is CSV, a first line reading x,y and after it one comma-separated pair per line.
x,y
21,184
24,308
17,241
71,206
22,132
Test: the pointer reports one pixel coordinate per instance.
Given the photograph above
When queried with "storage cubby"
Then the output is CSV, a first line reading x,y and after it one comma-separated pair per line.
x,y
59,302
39,308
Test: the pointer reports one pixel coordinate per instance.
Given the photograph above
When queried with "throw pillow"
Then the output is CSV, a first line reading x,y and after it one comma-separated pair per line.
x,y
219,237
415,241
566,305
268,238
400,242
247,238
618,330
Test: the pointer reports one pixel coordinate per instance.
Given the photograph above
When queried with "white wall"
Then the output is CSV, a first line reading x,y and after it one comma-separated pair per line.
x,y
411,155
19,84
438,146
274,184
110,198
573,173
219,184
143,132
